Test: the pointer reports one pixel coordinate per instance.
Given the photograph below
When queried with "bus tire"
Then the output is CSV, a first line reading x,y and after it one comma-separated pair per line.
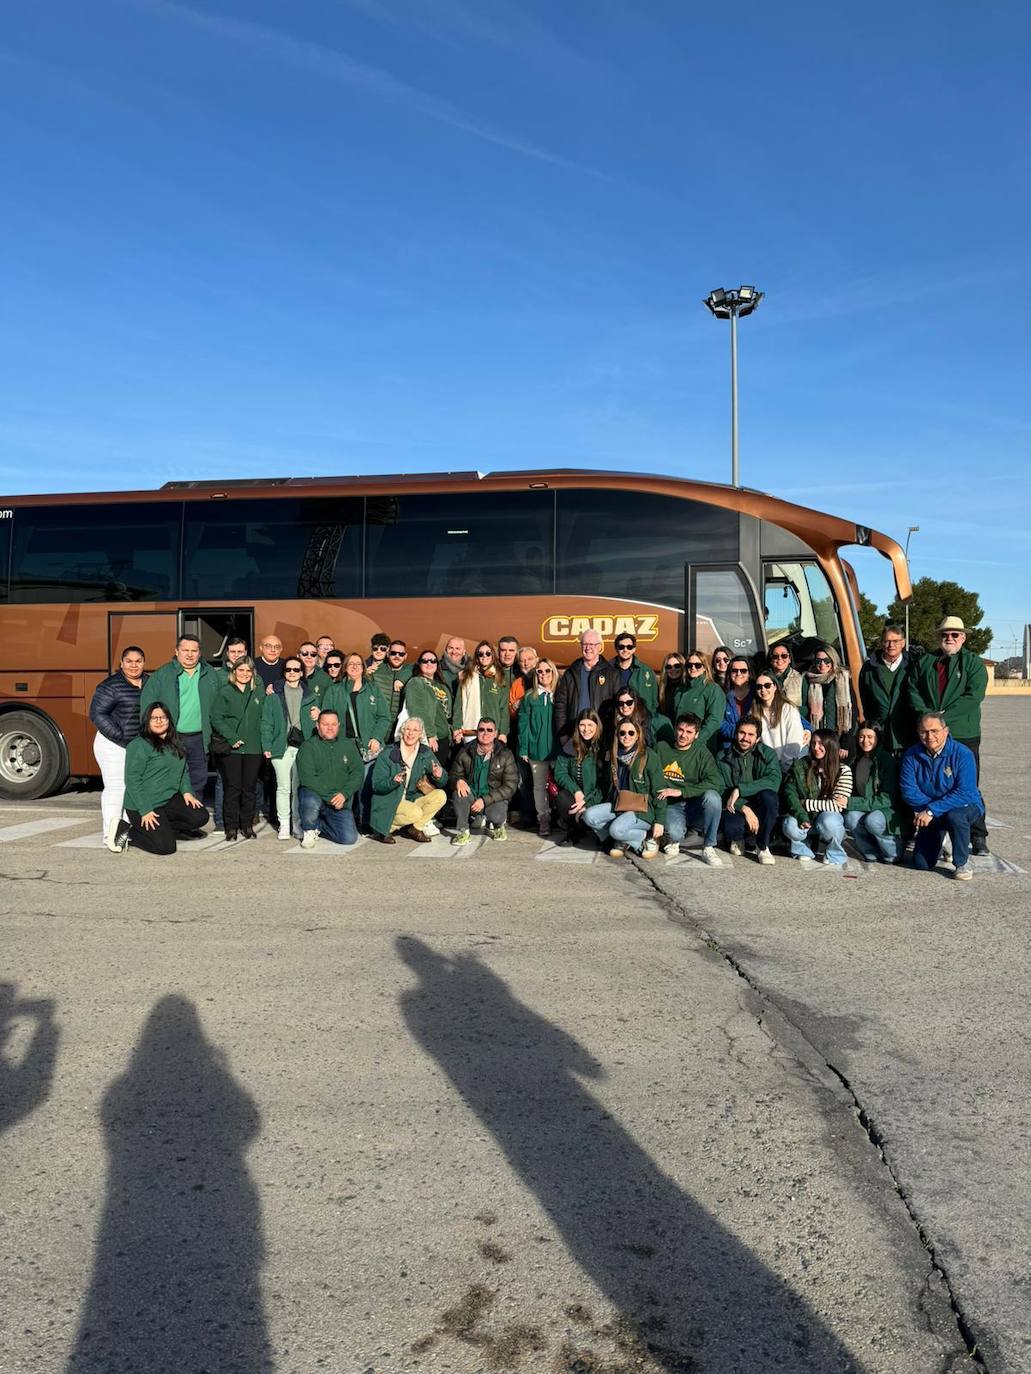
x,y
33,756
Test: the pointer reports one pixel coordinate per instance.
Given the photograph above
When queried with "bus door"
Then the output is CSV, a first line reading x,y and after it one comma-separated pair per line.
x,y
721,607
154,632
215,628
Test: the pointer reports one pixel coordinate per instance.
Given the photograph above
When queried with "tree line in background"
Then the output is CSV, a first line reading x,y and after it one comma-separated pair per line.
x,y
932,602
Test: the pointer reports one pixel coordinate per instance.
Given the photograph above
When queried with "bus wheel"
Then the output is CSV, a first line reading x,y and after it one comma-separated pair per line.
x,y
32,758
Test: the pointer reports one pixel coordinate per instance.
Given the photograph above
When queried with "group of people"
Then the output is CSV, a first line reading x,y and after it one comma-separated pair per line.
x,y
755,753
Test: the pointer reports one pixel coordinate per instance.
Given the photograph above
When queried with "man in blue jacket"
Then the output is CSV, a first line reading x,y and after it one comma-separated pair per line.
x,y
938,779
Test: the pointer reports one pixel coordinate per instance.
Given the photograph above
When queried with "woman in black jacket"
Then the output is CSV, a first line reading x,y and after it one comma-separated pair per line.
x,y
115,711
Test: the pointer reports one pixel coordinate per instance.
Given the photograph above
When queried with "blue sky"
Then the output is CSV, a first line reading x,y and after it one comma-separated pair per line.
x,y
269,237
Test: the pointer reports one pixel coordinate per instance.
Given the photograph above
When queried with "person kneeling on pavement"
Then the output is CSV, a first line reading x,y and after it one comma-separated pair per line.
x,y
751,781
693,789
635,813
938,780
405,795
329,773
158,800
484,779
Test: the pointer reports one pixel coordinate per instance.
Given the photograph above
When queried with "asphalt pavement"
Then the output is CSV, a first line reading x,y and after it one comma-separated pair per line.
x,y
510,1107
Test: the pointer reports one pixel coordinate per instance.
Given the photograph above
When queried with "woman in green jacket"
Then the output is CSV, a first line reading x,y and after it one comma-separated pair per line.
x,y
536,734
364,712
158,800
236,719
577,774
427,696
634,768
286,722
871,819
702,698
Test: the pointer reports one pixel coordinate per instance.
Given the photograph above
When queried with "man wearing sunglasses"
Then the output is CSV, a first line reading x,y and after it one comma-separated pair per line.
x,y
954,681
635,674
484,779
397,673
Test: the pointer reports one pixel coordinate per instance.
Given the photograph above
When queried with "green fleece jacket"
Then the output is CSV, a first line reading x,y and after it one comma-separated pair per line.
x,y
691,771
237,715
329,766
152,776
431,702
163,685
536,729
370,707
706,701
758,770
960,703
274,723
387,794
576,777
647,779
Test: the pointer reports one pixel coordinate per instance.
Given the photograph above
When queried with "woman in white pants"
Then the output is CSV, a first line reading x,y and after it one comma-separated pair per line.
x,y
115,711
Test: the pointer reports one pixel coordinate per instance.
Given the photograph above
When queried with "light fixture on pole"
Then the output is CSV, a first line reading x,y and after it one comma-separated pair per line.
x,y
910,531
728,305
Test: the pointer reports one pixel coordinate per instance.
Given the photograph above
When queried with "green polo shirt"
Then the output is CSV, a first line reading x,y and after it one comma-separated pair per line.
x,y
189,722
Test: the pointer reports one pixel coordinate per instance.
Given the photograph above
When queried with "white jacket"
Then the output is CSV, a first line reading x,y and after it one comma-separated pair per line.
x,y
787,740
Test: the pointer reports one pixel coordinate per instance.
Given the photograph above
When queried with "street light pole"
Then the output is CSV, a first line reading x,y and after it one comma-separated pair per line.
x,y
728,305
912,529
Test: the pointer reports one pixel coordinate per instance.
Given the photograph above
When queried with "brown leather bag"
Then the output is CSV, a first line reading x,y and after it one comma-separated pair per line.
x,y
630,801
425,785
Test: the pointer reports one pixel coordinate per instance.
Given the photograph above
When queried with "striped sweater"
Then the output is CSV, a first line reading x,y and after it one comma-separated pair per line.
x,y
800,799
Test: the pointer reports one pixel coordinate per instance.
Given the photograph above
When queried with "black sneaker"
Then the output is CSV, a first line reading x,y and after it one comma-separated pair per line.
x,y
979,846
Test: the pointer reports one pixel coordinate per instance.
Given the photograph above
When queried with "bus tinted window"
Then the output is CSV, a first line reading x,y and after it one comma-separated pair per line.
x,y
283,548
468,544
6,526
633,545
96,552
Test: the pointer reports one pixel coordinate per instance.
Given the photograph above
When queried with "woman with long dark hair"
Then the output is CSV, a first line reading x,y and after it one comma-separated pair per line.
x,y
479,695
721,657
578,774
427,695
782,729
871,819
158,801
828,700
633,815
816,793
787,677
671,683
740,696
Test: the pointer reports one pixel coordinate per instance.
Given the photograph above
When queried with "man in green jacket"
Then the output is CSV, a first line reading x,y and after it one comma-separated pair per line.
x,y
329,773
751,782
694,785
953,681
187,686
884,690
632,673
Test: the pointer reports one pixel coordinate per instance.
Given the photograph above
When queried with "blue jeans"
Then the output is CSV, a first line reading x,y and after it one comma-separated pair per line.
x,y
825,825
695,813
628,829
869,833
956,824
331,824
196,762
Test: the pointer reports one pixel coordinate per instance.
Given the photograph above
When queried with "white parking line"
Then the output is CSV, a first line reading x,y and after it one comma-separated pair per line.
x,y
41,827
328,850
440,847
566,854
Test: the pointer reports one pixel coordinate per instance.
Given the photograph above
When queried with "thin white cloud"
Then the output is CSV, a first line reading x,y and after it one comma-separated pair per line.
x,y
330,62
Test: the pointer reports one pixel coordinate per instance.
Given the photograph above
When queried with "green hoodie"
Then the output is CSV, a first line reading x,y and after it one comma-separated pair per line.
x,y
692,771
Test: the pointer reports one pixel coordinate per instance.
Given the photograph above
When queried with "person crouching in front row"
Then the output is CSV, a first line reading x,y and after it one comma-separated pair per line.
x,y
405,791
484,779
329,774
158,800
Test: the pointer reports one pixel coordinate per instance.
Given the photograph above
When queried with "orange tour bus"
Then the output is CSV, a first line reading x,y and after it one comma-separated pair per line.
x,y
538,555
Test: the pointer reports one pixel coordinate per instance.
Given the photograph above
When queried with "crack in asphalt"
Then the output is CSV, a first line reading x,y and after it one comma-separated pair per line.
x,y
937,1275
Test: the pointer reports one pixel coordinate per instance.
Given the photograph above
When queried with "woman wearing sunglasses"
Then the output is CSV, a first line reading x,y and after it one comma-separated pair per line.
x,y
426,695
740,696
721,657
828,699
364,714
536,734
578,774
782,728
633,815
286,722
871,819
671,683
236,715
816,794
629,706
701,697
480,696
781,668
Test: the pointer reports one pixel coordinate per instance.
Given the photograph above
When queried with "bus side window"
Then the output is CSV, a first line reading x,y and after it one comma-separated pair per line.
x,y
799,603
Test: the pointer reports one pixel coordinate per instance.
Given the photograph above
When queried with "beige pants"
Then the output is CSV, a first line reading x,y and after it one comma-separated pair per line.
x,y
418,812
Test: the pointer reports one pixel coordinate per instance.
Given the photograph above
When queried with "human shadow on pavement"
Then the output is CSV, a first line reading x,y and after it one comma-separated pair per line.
x,y
681,1284
176,1278
25,1076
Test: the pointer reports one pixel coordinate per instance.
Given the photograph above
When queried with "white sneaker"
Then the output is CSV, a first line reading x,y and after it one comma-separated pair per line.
x,y
430,828
284,832
615,853
310,836
649,849
111,836
734,849
964,874
671,850
763,856
711,857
